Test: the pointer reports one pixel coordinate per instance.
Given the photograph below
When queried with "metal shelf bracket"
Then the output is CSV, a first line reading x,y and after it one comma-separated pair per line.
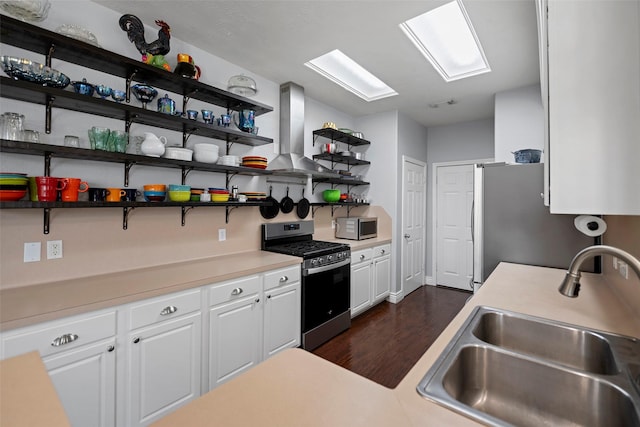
x,y
228,210
185,173
49,56
125,216
47,163
47,113
185,210
47,219
128,86
127,169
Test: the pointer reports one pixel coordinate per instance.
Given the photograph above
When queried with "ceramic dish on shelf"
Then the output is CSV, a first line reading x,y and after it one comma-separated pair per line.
x,y
30,11
78,33
25,69
12,195
178,153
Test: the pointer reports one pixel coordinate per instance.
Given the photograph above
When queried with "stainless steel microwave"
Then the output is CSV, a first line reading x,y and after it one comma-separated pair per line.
x,y
356,228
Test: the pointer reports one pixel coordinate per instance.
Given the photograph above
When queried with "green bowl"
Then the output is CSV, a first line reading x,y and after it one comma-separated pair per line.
x,y
331,196
179,196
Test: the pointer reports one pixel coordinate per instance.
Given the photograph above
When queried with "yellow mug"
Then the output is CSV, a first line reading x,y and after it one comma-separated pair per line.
x,y
114,194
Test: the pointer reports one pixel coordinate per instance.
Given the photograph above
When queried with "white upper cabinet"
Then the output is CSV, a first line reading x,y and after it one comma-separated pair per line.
x,y
593,60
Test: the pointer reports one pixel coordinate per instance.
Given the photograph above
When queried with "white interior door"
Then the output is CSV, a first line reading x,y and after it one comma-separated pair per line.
x,y
454,245
413,219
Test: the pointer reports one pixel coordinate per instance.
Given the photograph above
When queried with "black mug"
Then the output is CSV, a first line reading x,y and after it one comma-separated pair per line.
x,y
130,195
97,194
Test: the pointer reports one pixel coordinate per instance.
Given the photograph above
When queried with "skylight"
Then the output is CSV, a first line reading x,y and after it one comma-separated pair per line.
x,y
445,36
344,71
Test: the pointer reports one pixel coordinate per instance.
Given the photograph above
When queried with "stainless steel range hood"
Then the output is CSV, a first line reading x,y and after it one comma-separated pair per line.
x,y
291,160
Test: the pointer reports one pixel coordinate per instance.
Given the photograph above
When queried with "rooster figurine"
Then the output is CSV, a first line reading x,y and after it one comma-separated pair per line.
x,y
135,31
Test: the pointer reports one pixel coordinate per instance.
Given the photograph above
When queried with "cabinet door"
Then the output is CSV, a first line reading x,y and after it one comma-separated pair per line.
x,y
85,381
164,368
235,338
594,106
360,288
381,277
282,319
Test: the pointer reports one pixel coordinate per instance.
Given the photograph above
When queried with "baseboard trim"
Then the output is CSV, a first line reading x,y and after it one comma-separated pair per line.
x,y
395,297
429,281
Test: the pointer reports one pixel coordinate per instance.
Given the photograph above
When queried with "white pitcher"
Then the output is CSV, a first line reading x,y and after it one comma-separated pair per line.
x,y
153,146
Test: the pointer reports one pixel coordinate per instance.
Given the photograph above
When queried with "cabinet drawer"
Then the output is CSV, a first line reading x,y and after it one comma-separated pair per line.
x,y
382,250
61,335
233,290
361,256
282,277
164,308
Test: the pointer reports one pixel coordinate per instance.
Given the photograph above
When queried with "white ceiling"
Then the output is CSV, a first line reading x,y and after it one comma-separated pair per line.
x,y
275,38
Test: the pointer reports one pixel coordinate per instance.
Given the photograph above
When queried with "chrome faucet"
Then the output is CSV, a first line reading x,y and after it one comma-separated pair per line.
x,y
570,286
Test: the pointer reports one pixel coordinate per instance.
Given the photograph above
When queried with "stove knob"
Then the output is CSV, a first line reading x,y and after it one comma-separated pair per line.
x,y
329,258
340,254
314,261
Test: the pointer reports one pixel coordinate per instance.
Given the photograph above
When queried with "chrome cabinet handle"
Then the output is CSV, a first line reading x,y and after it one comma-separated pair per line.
x,y
382,251
110,348
237,291
269,296
257,300
64,339
406,236
362,257
168,310
283,279
136,340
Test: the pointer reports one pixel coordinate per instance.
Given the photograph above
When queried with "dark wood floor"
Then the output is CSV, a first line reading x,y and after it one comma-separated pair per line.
x,y
387,340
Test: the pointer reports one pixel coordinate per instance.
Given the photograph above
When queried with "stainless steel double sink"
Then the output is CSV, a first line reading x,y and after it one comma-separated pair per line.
x,y
504,368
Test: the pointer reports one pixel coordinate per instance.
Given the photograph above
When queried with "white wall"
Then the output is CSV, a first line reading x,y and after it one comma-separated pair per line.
x,y
463,141
412,142
519,122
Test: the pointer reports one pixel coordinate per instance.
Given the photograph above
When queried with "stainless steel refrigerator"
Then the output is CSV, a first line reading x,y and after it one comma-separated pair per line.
x,y
511,223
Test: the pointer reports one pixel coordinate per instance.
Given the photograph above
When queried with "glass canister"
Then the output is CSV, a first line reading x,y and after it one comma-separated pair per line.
x,y
11,126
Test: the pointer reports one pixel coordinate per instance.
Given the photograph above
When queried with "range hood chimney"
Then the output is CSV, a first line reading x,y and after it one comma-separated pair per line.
x,y
291,159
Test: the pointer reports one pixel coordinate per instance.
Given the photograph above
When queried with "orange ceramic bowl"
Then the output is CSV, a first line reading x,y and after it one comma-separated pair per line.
x,y
155,187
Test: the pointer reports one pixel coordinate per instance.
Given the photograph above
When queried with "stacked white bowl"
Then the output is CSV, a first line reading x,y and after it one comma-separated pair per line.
x,y
229,160
205,153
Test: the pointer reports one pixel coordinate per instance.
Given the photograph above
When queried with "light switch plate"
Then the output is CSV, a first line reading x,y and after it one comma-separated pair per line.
x,y
32,251
222,234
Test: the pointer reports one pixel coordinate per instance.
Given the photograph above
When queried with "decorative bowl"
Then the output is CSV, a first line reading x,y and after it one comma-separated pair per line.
x,y
527,156
144,93
155,187
178,153
103,91
205,156
25,69
179,187
12,195
331,196
31,11
118,95
215,197
179,196
78,33
154,196
83,87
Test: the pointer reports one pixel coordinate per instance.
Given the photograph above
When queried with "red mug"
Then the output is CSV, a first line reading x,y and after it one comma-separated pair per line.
x,y
48,188
73,186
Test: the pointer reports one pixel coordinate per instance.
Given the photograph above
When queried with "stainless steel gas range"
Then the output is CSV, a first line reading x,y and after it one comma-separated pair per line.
x,y
326,278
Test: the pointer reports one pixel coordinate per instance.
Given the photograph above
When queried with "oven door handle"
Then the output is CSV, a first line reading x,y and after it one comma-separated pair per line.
x,y
321,269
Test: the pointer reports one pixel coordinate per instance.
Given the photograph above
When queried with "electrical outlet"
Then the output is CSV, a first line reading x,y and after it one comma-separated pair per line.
x,y
222,234
623,269
54,249
32,251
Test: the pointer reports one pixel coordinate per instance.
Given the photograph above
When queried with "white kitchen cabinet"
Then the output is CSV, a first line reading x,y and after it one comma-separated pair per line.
x,y
235,328
381,273
164,356
361,295
593,60
79,355
282,310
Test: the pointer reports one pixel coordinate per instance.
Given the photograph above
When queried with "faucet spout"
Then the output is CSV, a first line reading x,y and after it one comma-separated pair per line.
x,y
570,285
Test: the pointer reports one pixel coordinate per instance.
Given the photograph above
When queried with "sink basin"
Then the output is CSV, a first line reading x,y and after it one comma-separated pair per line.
x,y
570,346
504,368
